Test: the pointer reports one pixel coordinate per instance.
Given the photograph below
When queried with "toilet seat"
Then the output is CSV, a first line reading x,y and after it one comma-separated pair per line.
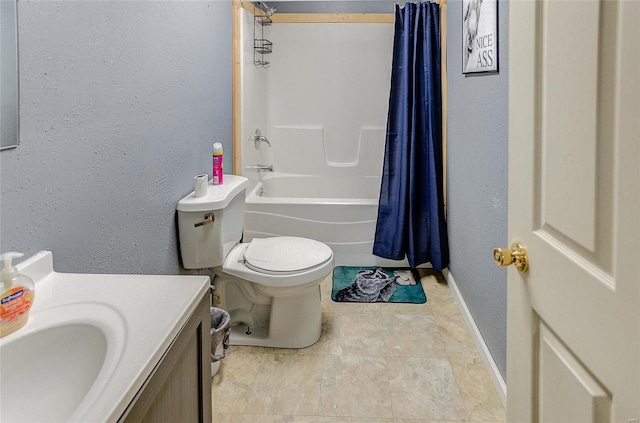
x,y
285,255
236,264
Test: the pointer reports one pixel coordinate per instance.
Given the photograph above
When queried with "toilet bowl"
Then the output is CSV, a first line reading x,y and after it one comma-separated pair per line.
x,y
269,286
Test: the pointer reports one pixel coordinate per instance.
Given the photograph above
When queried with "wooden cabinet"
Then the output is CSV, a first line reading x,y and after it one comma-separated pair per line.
x,y
179,388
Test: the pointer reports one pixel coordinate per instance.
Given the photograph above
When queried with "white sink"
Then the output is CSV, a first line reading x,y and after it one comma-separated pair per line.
x,y
90,343
57,368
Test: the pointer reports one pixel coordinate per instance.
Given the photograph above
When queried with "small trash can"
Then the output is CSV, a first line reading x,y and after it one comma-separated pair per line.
x,y
220,330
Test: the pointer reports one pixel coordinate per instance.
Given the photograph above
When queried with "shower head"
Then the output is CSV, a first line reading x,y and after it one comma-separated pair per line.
x,y
270,10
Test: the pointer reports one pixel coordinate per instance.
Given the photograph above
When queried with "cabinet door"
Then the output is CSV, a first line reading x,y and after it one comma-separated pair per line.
x,y
179,388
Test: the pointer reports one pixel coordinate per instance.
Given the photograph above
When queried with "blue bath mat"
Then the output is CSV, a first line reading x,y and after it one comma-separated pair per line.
x,y
377,284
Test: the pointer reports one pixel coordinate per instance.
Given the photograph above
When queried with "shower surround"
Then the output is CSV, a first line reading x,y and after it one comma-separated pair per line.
x,y
322,103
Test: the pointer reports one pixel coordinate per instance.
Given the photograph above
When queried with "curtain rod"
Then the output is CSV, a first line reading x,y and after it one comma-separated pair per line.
x,y
264,7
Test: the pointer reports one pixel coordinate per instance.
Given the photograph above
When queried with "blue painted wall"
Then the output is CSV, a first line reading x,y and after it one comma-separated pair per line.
x,y
120,105
478,112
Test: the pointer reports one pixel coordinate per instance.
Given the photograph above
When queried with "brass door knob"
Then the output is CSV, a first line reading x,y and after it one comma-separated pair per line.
x,y
516,255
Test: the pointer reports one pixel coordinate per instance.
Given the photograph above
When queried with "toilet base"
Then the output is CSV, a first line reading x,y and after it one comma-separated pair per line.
x,y
295,322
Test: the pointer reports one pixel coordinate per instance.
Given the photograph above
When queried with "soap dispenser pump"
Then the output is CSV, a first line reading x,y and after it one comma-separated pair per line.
x,y
17,292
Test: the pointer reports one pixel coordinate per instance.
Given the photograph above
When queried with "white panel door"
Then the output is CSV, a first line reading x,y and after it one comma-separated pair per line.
x,y
573,328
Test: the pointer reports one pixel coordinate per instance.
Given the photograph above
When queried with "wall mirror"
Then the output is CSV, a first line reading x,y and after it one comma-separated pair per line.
x,y
9,100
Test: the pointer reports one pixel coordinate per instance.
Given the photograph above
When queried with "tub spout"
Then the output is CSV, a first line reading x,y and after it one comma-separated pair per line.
x,y
261,168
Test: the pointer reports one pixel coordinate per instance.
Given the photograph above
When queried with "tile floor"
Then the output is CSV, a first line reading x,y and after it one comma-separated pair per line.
x,y
394,363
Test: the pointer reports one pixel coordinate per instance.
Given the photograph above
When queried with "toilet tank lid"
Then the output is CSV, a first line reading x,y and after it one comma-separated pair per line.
x,y
218,196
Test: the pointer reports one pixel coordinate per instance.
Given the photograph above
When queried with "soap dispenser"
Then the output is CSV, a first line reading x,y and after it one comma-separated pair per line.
x,y
16,296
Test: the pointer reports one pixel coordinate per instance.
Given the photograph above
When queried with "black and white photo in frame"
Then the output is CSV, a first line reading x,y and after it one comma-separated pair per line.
x,y
479,36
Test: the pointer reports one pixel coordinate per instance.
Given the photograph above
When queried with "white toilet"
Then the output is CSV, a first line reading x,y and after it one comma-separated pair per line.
x,y
269,286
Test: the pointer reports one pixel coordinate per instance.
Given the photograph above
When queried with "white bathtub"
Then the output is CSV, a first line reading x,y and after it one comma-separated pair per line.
x,y
339,211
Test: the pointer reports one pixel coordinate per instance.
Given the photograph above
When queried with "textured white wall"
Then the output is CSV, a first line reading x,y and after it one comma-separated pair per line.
x,y
120,105
477,173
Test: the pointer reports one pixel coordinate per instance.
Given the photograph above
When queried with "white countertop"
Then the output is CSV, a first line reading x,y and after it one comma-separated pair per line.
x,y
148,312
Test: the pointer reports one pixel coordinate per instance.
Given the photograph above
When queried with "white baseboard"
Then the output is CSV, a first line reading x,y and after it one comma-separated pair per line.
x,y
494,373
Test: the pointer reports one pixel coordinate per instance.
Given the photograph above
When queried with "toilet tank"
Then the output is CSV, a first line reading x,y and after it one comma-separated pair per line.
x,y
206,241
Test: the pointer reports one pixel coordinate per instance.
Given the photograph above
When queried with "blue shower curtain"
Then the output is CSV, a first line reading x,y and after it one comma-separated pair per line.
x,y
411,219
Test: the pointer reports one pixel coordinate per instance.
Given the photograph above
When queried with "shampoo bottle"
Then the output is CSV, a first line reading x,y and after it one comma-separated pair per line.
x,y
217,164
16,296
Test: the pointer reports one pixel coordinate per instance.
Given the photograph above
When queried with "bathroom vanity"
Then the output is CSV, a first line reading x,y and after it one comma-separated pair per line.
x,y
179,387
109,348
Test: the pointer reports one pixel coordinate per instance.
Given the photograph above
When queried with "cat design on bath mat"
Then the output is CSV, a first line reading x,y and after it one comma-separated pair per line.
x,y
370,286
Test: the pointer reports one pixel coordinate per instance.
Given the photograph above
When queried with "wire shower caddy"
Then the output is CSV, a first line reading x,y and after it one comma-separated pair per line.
x,y
261,45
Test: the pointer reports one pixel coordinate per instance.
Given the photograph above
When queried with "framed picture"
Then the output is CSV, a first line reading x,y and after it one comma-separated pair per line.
x,y
479,36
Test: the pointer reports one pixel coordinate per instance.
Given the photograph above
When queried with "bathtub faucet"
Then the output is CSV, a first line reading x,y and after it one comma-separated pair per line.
x,y
258,138
261,168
